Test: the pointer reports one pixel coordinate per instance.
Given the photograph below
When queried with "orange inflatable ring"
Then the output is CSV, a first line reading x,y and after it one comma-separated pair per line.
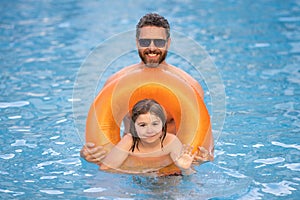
x,y
179,98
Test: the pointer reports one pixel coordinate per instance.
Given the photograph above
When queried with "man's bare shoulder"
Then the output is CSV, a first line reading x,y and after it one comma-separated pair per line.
x,y
183,74
175,69
122,72
126,69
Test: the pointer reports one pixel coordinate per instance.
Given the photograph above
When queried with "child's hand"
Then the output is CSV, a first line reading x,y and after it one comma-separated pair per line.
x,y
186,157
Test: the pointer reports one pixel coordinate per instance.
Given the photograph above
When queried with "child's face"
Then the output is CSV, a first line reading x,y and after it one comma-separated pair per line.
x,y
148,127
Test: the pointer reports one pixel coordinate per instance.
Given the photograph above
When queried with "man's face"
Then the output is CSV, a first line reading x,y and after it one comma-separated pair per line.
x,y
153,45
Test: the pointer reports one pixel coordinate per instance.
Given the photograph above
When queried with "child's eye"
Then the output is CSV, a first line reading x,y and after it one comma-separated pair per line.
x,y
155,123
142,125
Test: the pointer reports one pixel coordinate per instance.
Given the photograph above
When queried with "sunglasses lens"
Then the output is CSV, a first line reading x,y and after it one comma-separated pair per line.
x,y
144,42
159,42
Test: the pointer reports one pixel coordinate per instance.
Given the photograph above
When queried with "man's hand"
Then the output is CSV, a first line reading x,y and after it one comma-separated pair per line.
x,y
92,153
203,155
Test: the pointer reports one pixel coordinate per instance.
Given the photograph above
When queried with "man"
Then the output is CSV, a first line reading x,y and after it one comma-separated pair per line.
x,y
153,41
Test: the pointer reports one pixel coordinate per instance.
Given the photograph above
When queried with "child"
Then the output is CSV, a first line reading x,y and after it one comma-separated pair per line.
x,y
148,141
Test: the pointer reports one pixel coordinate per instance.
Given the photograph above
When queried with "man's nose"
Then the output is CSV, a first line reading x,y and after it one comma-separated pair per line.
x,y
152,46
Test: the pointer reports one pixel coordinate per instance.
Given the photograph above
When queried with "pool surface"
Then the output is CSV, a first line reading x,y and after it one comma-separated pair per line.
x,y
254,58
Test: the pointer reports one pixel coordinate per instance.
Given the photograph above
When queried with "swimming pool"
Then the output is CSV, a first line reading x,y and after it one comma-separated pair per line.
x,y
255,48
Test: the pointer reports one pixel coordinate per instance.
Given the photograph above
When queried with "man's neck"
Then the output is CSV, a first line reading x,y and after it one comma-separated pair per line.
x,y
164,64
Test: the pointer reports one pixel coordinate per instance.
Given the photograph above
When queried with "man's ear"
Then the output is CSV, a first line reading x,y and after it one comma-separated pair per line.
x,y
168,43
137,43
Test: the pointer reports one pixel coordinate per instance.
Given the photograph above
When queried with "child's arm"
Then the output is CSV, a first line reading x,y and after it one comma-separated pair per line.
x,y
118,154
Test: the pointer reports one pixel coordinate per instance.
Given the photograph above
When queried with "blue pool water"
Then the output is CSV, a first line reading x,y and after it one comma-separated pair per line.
x,y
255,46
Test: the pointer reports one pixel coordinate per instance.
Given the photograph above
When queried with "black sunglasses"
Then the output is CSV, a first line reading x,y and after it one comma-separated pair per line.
x,y
157,42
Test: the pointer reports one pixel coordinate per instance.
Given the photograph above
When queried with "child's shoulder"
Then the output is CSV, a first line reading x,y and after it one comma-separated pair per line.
x,y
170,137
127,137
172,142
125,141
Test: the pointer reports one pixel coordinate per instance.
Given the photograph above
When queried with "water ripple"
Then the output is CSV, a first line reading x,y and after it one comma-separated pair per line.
x,y
22,142
289,19
282,188
48,177
14,104
12,192
98,189
295,146
51,152
52,191
270,161
293,166
7,156
68,161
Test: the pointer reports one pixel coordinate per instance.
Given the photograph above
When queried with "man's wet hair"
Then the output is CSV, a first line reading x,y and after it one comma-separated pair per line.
x,y
153,19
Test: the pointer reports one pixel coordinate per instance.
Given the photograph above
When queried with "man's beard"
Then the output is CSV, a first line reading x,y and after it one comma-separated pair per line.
x,y
152,64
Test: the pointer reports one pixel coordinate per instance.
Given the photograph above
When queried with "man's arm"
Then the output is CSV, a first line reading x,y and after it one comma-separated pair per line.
x,y
203,155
